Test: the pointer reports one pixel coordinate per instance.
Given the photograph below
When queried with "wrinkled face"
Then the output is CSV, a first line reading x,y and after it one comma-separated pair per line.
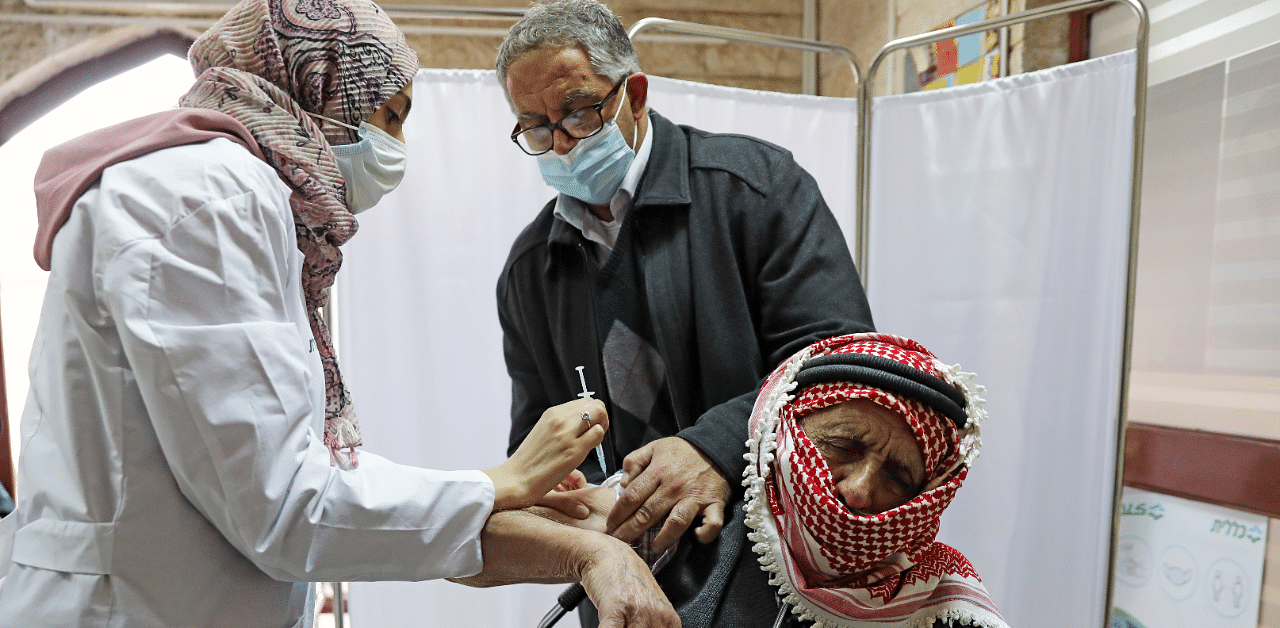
x,y
390,116
875,461
546,84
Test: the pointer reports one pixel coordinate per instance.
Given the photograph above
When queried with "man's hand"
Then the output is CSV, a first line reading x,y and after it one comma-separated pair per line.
x,y
559,442
519,546
624,591
672,478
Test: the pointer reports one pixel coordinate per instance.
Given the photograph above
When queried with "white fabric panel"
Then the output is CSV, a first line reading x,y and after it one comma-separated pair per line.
x,y
419,339
999,221
821,132
418,331
1035,312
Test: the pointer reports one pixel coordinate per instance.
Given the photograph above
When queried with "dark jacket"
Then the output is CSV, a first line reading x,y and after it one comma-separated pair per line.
x,y
742,263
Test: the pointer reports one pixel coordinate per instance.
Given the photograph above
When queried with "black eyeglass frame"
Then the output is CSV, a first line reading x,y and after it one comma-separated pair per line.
x,y
553,126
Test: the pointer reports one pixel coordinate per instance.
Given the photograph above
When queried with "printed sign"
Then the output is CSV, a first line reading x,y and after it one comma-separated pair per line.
x,y
1186,563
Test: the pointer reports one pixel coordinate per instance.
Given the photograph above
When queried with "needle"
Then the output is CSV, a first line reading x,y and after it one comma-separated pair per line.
x,y
586,394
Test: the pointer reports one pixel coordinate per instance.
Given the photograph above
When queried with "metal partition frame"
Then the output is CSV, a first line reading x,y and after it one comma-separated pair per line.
x,y
1135,196
734,34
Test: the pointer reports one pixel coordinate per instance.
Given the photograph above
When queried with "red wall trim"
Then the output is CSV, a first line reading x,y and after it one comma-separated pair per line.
x,y
1236,471
1079,31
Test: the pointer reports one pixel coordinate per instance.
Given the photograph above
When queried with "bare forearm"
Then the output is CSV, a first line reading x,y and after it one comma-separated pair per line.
x,y
522,547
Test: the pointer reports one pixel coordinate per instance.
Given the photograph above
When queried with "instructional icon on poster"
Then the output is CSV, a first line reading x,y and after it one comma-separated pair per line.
x,y
1185,563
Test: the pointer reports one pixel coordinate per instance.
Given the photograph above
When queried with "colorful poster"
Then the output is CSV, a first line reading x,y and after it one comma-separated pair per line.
x,y
1182,563
968,59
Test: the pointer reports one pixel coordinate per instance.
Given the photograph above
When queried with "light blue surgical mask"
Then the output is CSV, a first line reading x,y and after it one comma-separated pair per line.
x,y
593,170
371,167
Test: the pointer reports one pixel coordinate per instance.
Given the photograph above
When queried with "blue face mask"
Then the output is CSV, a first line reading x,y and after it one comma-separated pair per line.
x,y
594,169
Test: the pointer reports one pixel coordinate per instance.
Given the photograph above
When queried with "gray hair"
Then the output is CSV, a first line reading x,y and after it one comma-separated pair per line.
x,y
585,23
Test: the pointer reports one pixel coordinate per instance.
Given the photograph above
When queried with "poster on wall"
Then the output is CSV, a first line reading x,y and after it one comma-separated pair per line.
x,y
1182,563
962,60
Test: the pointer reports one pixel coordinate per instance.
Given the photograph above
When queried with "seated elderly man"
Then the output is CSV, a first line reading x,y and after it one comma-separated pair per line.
x,y
857,444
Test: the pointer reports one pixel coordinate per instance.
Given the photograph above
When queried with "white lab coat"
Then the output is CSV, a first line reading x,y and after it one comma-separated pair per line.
x,y
173,471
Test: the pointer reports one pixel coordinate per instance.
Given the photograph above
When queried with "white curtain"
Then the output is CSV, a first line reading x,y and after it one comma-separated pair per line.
x,y
421,346
999,222
418,330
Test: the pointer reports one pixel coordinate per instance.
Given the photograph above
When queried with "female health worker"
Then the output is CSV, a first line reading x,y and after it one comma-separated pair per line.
x,y
189,448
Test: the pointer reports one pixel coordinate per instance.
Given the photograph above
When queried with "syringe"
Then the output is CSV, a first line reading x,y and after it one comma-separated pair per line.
x,y
586,394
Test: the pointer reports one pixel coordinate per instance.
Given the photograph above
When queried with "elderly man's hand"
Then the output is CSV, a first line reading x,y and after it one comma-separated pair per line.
x,y
624,591
672,478
519,546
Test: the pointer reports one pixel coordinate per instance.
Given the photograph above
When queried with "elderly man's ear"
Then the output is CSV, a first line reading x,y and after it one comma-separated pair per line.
x,y
637,94
637,100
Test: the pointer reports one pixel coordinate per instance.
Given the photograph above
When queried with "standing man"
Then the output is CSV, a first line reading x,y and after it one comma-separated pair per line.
x,y
666,247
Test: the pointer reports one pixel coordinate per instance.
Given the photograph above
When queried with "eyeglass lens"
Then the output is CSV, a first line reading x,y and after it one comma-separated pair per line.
x,y
579,125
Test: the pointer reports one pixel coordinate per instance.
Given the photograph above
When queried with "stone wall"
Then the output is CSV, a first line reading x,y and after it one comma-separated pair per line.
x,y
860,25
23,45
744,65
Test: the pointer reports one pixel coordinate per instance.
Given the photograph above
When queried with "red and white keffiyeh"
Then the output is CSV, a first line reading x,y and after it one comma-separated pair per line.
x,y
840,569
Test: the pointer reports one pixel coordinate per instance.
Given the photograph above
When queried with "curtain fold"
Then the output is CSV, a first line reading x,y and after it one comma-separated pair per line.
x,y
418,329
999,239
419,341
1023,286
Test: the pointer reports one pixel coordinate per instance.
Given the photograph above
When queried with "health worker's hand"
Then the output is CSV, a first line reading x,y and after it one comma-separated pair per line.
x,y
672,478
570,499
557,444
562,507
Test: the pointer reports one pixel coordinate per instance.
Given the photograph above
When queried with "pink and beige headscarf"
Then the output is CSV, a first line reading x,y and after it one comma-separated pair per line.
x,y
830,565
268,63
261,69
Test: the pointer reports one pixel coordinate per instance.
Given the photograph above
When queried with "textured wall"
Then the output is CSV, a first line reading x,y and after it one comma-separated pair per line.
x,y
22,45
860,25
25,43
863,27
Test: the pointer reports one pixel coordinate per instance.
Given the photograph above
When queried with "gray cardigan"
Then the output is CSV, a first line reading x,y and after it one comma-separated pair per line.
x,y
743,265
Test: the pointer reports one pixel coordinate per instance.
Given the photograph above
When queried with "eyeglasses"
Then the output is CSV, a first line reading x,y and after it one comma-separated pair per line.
x,y
579,125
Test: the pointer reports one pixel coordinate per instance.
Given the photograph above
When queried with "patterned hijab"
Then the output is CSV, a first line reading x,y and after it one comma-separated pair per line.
x,y
270,63
832,566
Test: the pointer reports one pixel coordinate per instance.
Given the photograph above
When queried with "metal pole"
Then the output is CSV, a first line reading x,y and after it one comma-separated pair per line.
x,y
809,80
1131,280
1003,68
781,41
339,607
891,28
734,34
1142,45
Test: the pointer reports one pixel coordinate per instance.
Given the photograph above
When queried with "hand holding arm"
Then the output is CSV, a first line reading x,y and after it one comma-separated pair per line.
x,y
522,547
669,477
559,442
